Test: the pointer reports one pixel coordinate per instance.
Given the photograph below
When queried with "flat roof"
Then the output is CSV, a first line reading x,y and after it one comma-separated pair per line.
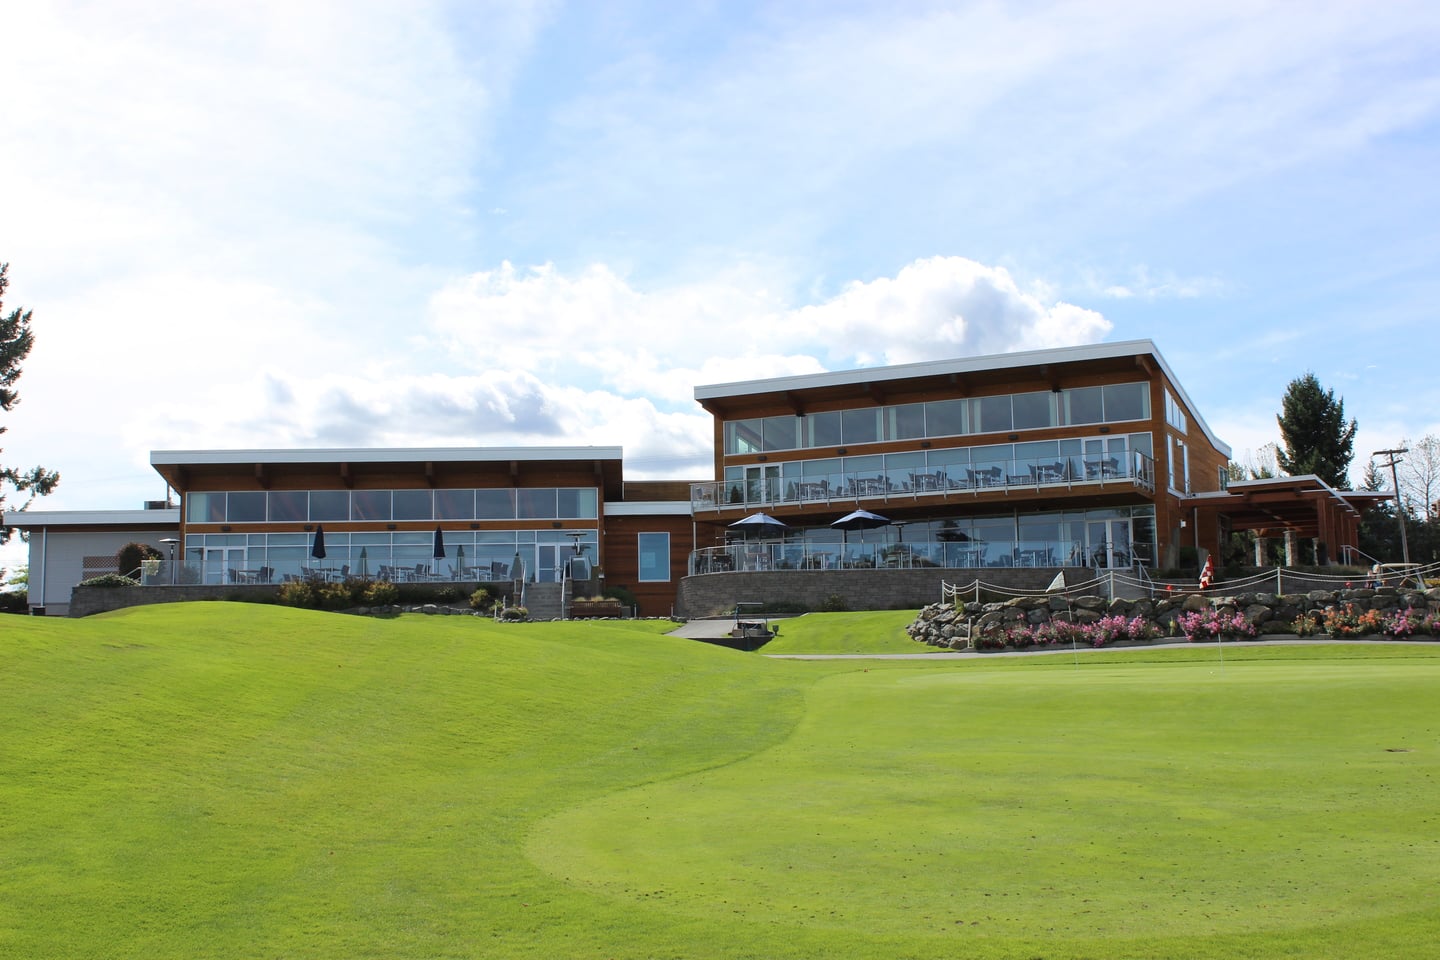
x,y
28,519
961,365
380,455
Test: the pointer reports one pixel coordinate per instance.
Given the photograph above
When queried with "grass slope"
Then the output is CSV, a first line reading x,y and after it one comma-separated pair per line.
x,y
235,781
877,631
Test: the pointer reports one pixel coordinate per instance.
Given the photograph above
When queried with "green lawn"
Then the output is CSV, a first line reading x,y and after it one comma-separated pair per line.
x,y
879,631
217,780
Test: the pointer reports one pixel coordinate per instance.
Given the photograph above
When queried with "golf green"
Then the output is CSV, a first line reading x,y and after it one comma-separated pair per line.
x,y
222,780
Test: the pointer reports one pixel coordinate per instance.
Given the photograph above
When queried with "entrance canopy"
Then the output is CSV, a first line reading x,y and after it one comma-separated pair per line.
x,y
1303,506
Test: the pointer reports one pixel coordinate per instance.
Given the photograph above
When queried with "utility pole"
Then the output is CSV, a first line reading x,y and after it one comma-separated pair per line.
x,y
1394,456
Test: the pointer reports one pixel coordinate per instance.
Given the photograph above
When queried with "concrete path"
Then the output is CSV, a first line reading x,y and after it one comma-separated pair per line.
x,y
1277,641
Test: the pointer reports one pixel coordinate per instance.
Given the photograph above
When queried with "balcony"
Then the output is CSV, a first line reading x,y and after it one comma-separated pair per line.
x,y
943,484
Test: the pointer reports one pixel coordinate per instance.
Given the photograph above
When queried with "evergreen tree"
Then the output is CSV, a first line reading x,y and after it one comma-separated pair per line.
x,y
1314,435
16,339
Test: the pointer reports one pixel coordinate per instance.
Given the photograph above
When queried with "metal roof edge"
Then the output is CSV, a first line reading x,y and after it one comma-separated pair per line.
x,y
381,455
23,519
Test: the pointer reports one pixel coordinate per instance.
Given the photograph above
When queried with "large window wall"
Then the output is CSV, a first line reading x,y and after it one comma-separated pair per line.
x,y
1078,459
1102,538
1112,403
327,506
470,555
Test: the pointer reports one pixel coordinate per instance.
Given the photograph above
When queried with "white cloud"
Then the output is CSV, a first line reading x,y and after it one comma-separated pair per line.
x,y
596,326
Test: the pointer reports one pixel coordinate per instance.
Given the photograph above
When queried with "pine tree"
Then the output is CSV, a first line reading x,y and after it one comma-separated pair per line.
x,y
16,339
1314,435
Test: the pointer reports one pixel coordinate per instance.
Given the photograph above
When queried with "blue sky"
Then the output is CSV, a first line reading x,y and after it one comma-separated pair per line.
x,y
352,223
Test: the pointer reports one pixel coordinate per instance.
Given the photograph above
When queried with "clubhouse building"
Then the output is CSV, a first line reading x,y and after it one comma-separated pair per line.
x,y
1080,457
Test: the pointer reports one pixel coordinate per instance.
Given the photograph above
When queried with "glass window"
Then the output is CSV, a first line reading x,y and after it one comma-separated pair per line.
x,y
1034,411
414,505
860,426
742,436
495,504
781,433
654,557
329,505
946,418
905,422
247,507
1084,405
454,504
578,503
537,503
289,506
993,414
823,429
1126,401
205,508
370,505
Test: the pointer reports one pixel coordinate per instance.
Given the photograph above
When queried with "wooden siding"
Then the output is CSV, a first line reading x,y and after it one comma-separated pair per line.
x,y
620,559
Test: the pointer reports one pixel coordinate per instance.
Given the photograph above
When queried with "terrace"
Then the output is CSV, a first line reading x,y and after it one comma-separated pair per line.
x,y
770,486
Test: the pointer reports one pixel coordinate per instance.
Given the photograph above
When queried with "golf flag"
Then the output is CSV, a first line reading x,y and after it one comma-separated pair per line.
x,y
1058,584
1208,573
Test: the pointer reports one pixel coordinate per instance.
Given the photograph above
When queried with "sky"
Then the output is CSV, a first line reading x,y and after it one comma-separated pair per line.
x,y
287,223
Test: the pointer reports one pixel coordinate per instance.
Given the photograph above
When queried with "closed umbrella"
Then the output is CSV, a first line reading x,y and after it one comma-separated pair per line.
x,y
364,565
460,560
317,549
439,551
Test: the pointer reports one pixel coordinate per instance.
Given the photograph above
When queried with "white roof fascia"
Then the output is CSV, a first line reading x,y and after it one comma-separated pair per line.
x,y
381,455
995,361
26,519
648,508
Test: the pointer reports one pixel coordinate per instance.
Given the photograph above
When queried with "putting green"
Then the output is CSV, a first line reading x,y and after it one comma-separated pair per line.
x,y
1107,802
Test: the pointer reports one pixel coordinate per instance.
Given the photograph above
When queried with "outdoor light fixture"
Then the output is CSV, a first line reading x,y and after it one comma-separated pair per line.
x,y
170,542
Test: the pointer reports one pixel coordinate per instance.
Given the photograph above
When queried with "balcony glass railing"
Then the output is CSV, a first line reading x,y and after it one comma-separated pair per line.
x,y
762,555
976,477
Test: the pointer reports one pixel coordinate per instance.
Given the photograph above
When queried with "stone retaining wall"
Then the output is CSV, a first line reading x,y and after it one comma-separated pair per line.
x,y
942,625
85,601
715,594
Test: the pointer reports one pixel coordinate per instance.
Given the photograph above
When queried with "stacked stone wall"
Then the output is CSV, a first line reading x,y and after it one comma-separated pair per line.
x,y
715,594
985,625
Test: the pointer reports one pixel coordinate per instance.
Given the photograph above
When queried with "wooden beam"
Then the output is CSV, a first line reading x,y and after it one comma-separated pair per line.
x,y
346,477
430,474
260,477
793,399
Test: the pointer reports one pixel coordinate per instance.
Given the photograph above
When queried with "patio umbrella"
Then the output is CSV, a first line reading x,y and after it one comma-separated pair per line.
x,y
759,524
439,552
364,564
859,520
460,561
317,549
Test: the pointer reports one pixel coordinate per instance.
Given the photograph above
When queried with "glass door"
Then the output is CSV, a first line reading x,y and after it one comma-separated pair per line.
x,y
762,483
219,561
1109,542
547,562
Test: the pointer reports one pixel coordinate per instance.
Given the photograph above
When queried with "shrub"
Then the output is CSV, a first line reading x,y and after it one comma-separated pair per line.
x,y
109,580
482,600
834,603
1346,621
514,613
128,557
1209,624
14,601
381,593
623,594
297,593
333,596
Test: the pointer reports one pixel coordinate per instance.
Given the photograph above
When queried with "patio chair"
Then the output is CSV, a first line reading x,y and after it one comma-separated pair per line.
x,y
422,572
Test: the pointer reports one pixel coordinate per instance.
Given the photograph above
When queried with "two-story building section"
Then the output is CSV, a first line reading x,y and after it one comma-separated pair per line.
x,y
1077,456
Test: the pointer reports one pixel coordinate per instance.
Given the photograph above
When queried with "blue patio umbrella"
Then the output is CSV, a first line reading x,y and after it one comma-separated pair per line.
x,y
759,524
439,552
317,549
859,520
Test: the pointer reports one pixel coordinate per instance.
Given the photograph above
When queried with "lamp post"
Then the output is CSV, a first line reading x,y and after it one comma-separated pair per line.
x,y
170,542
1394,456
